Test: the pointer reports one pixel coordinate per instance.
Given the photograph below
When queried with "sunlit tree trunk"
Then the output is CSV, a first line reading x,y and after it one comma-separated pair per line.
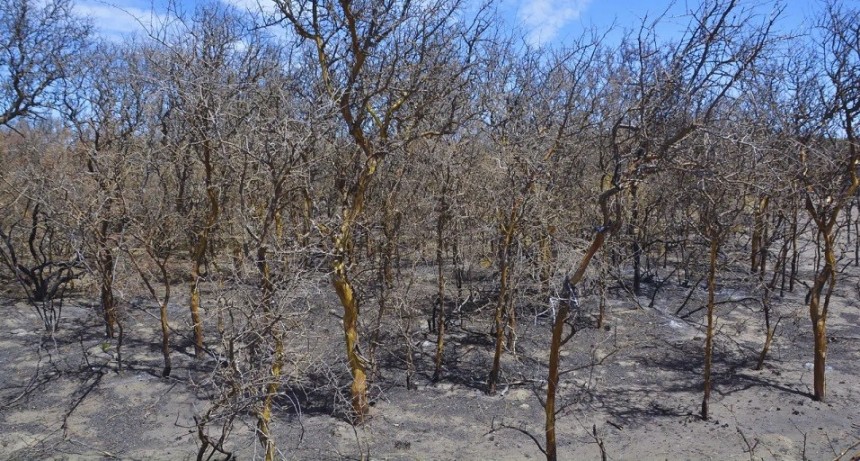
x,y
264,417
346,293
201,245
558,341
825,219
825,278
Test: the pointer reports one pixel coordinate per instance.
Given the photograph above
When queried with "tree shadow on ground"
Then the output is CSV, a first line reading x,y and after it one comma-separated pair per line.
x,y
668,382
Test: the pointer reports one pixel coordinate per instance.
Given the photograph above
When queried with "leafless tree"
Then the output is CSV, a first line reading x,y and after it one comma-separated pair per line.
x,y
40,45
669,95
107,108
830,173
375,63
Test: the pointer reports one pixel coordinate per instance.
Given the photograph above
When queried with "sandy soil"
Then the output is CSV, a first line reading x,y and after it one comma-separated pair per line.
x,y
634,387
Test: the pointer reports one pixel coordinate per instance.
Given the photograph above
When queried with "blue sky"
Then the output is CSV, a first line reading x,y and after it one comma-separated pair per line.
x,y
543,22
551,21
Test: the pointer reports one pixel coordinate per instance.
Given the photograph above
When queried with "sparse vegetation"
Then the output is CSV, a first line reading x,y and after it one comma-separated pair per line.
x,y
371,202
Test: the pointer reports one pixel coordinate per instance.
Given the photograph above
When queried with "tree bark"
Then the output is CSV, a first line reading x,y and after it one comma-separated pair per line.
x,y
508,228
818,315
440,293
106,262
633,230
346,293
264,417
194,306
557,341
709,332
357,365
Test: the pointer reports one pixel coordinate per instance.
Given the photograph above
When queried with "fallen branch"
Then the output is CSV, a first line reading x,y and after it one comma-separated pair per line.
x,y
523,431
845,451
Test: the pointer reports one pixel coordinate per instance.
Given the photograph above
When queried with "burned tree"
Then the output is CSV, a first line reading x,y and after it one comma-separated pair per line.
x,y
668,95
375,63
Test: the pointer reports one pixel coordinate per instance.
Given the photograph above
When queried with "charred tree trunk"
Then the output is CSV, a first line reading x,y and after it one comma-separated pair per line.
x,y
709,332
759,223
558,341
194,306
106,270
795,252
201,245
440,284
345,292
162,302
826,277
633,230
508,228
264,417
768,289
856,232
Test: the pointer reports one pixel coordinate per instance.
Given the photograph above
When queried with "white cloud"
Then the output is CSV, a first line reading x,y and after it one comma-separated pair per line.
x,y
543,19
